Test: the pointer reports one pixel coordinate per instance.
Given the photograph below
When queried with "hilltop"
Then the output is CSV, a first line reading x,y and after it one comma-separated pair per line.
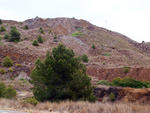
x,y
112,50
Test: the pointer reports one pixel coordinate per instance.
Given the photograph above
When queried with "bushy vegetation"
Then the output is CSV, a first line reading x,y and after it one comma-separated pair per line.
x,y
40,39
14,35
6,36
125,82
49,31
126,70
35,43
77,34
85,58
41,30
26,27
93,46
2,29
7,62
61,76
5,92
18,65
112,96
2,71
32,101
10,69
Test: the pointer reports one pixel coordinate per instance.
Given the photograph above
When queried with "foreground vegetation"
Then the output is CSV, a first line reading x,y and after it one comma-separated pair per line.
x,y
74,107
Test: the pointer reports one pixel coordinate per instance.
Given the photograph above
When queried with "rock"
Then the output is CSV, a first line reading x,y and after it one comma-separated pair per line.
x,y
22,75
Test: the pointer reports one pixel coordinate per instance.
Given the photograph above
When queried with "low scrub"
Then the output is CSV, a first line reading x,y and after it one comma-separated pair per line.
x,y
7,62
77,34
125,82
32,101
2,71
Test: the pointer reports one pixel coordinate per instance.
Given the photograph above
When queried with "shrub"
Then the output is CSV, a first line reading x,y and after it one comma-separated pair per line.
x,y
26,27
10,92
14,34
2,71
93,46
85,58
61,76
10,69
103,82
112,96
77,34
40,39
41,30
35,43
2,29
6,36
128,82
32,101
2,89
49,31
55,37
79,29
126,70
7,62
0,21
18,65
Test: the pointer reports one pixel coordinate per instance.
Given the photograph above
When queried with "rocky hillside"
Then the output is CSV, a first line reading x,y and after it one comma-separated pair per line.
x,y
112,49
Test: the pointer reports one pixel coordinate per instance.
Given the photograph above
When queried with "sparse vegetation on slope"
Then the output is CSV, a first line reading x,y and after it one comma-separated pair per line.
x,y
14,35
7,62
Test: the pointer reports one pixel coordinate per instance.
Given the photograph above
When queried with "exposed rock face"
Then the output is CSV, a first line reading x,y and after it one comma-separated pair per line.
x,y
110,74
123,94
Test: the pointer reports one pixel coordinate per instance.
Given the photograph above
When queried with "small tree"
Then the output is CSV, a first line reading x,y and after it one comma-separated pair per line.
x,y
2,29
35,43
14,34
6,36
7,62
41,30
40,39
61,76
93,46
26,27
85,58
10,92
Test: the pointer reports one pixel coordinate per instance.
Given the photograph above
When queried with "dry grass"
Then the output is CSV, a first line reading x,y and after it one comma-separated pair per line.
x,y
75,107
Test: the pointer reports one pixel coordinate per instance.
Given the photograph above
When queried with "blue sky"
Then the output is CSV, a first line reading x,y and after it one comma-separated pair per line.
x,y
129,17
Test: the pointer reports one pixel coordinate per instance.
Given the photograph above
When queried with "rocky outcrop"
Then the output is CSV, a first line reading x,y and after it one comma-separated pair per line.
x,y
111,73
123,94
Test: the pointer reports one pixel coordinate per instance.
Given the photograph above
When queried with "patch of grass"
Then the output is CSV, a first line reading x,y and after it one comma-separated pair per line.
x,y
106,54
18,65
2,71
79,29
77,34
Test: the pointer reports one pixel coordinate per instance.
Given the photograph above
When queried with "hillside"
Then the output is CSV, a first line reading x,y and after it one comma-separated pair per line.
x,y
113,50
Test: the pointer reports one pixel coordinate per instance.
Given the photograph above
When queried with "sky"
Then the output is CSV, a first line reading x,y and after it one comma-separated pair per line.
x,y
128,17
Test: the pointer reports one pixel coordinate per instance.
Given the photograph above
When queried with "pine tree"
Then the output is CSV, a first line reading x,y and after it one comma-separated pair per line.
x,y
61,76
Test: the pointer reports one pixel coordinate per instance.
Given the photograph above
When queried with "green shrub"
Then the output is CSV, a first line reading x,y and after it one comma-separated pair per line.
x,y
18,65
128,82
79,29
77,34
2,29
35,43
26,27
41,30
126,70
6,36
85,58
2,71
55,37
49,31
2,89
10,69
7,62
0,21
106,54
93,46
112,96
103,82
10,92
14,34
40,39
32,101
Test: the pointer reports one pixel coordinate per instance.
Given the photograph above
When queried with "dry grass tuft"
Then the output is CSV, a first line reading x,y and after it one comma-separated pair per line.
x,y
75,107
